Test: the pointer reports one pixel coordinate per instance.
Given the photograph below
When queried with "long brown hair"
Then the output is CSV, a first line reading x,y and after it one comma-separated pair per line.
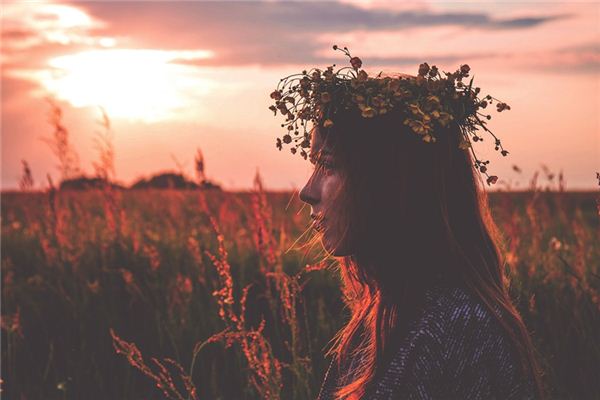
x,y
413,210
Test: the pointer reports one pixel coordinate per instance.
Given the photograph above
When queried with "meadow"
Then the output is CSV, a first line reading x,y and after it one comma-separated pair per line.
x,y
204,294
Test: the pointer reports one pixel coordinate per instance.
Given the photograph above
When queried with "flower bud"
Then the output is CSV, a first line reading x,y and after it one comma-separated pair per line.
x,y
492,180
356,62
276,95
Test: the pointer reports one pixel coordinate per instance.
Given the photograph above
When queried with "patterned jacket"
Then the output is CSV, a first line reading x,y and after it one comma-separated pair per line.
x,y
456,349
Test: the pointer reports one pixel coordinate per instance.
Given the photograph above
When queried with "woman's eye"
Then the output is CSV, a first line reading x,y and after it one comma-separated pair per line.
x,y
327,167
326,164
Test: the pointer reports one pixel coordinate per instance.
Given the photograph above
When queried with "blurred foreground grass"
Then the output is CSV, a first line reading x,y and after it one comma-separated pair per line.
x,y
187,278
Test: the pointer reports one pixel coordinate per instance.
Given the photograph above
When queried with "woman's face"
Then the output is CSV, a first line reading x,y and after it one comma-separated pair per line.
x,y
320,193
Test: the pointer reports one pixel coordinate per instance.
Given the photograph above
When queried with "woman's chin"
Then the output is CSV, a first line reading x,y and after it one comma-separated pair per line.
x,y
335,249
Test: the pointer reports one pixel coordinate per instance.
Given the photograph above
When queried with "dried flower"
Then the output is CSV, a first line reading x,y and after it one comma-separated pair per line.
x,y
502,106
276,95
555,244
433,71
428,138
127,276
356,62
367,112
464,70
492,180
428,101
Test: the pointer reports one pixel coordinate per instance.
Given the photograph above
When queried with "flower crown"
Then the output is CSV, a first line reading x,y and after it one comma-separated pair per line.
x,y
429,100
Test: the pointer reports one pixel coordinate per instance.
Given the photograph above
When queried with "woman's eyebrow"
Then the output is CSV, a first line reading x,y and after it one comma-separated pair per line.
x,y
319,154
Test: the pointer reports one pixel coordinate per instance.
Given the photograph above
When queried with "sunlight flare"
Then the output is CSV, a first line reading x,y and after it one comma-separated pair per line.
x,y
147,85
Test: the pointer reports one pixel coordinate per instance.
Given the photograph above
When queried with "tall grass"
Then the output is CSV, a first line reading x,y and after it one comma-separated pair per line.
x,y
153,267
188,294
201,284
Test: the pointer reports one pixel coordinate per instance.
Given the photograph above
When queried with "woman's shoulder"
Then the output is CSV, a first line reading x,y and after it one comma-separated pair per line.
x,y
455,307
455,349
462,349
460,324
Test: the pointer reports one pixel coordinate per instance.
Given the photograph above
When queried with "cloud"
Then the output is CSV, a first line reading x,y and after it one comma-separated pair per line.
x,y
240,33
582,58
18,34
33,32
528,22
272,33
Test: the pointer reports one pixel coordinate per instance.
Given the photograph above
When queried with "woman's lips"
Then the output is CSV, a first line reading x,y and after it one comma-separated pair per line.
x,y
317,222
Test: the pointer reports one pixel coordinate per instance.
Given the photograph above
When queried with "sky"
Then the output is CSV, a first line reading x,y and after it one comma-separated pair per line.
x,y
174,77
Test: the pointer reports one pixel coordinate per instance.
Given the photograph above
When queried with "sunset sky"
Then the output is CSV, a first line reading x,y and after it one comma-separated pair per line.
x,y
177,76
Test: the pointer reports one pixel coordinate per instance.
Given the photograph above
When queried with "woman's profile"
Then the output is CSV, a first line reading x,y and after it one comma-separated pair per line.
x,y
395,197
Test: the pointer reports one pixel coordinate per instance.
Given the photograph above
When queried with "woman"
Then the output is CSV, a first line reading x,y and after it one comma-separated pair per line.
x,y
419,259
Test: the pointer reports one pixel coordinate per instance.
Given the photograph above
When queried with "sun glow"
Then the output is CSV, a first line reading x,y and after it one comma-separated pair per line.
x,y
147,85
43,22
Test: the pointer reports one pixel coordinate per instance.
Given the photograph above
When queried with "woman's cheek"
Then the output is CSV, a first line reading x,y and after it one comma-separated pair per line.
x,y
331,183
333,236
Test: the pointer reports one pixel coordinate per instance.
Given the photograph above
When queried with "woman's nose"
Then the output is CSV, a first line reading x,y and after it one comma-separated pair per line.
x,y
308,194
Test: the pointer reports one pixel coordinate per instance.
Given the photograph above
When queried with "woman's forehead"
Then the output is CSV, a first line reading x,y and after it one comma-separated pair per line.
x,y
319,144
316,139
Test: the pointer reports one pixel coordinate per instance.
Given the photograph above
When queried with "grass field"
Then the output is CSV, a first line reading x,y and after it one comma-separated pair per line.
x,y
188,294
